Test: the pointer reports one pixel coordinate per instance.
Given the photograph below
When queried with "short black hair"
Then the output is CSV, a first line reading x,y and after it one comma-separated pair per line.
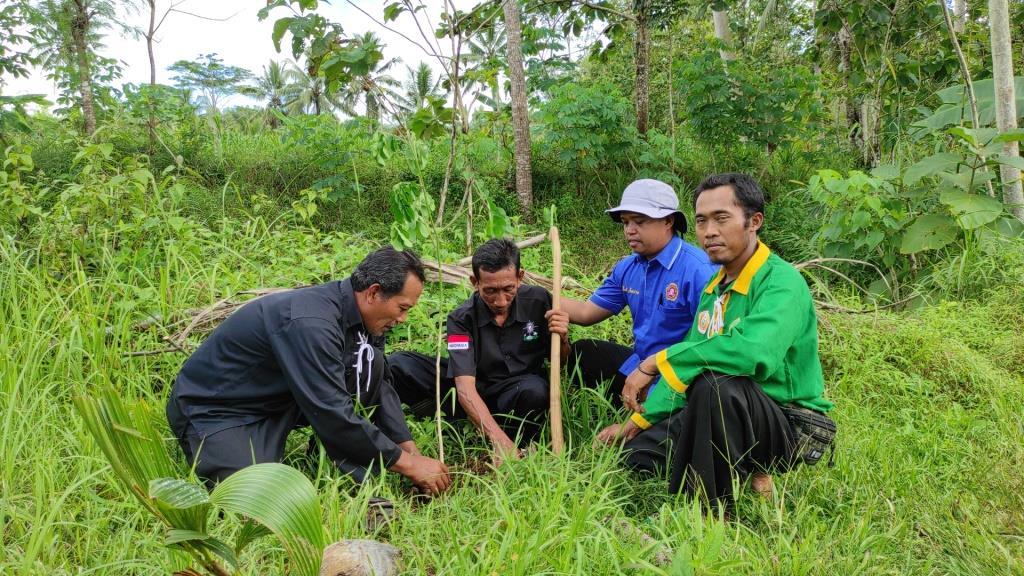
x,y
389,268
747,191
496,254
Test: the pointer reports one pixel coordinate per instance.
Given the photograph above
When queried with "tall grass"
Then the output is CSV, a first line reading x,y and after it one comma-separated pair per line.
x,y
927,477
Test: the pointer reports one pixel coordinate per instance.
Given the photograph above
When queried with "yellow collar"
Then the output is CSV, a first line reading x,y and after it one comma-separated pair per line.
x,y
742,283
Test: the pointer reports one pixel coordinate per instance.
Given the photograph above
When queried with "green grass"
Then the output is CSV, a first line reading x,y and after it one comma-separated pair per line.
x,y
927,477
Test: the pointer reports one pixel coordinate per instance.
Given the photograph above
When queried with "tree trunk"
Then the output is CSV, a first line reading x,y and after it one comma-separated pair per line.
x,y
520,113
641,53
959,16
80,21
151,123
724,34
1006,104
372,108
846,63
671,90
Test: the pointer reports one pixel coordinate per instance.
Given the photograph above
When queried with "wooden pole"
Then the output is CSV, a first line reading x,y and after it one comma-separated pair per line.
x,y
557,443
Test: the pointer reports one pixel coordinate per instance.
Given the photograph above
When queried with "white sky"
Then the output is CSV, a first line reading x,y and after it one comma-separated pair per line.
x,y
242,40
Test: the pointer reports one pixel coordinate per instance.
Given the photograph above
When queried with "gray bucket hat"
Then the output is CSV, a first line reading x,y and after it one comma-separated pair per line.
x,y
652,198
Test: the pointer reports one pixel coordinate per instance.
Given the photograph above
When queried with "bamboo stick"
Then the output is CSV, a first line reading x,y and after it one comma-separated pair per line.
x,y
557,442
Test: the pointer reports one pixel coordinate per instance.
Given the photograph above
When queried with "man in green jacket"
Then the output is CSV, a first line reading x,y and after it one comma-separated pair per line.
x,y
752,348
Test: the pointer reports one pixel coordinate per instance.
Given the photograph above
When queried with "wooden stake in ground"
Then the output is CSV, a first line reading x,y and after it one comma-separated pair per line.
x,y
437,397
557,444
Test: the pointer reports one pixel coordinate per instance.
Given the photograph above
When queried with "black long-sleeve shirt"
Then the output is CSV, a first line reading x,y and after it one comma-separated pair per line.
x,y
297,347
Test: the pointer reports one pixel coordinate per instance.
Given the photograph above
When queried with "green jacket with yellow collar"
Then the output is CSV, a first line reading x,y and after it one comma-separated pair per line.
x,y
762,326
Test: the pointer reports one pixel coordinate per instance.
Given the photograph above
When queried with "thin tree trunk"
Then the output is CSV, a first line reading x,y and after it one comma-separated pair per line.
x,y
959,16
372,108
966,72
1006,103
79,33
846,63
724,34
520,113
151,123
641,53
671,90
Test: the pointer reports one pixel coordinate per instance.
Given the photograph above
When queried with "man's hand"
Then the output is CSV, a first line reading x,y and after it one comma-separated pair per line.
x,y
429,475
637,382
558,322
617,433
504,453
410,447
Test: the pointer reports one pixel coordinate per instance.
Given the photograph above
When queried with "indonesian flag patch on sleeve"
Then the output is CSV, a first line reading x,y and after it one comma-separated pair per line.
x,y
458,342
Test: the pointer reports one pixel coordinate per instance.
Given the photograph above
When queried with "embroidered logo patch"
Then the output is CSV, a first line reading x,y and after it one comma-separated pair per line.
x,y
458,342
672,292
530,332
703,322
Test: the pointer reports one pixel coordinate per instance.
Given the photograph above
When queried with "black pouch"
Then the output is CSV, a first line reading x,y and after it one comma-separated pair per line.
x,y
813,432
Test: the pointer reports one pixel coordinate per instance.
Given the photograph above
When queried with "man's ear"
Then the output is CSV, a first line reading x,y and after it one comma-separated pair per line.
x,y
522,273
373,293
473,280
756,221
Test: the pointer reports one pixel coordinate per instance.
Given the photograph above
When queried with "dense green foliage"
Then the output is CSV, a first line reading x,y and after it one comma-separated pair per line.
x,y
853,117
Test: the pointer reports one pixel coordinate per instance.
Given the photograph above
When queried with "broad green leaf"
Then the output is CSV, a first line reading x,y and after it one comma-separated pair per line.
x,y
280,27
931,166
874,238
966,180
282,499
1008,226
177,537
1015,135
972,210
1015,161
886,172
249,532
929,232
974,136
391,11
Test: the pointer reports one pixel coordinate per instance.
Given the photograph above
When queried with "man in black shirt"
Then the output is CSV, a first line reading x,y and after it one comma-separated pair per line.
x,y
498,341
305,357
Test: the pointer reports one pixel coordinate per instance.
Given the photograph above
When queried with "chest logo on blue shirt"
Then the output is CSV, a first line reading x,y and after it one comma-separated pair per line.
x,y
672,292
530,332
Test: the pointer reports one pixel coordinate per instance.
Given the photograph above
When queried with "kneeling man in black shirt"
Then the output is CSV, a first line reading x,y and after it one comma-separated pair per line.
x,y
305,357
498,341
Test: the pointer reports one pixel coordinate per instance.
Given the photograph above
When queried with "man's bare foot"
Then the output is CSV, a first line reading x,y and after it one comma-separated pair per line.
x,y
762,484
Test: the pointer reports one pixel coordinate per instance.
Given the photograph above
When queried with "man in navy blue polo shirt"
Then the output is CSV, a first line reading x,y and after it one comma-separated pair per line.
x,y
660,283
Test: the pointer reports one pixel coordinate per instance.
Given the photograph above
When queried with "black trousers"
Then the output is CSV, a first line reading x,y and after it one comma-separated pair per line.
x,y
651,449
729,428
598,361
220,454
519,404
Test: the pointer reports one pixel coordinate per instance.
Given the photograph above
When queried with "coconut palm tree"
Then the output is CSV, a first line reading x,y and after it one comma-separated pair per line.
x,y
420,85
273,88
485,60
372,86
307,94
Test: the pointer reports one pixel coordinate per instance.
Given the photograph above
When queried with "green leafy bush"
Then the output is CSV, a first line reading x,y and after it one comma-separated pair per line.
x,y
745,102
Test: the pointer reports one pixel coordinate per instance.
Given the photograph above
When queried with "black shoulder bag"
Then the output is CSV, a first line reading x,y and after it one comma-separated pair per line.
x,y
813,431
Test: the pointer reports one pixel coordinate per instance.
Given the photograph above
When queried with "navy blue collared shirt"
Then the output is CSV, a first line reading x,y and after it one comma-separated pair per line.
x,y
662,294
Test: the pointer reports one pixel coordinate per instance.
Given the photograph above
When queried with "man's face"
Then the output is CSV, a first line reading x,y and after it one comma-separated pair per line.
x,y
722,229
646,236
498,289
383,313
